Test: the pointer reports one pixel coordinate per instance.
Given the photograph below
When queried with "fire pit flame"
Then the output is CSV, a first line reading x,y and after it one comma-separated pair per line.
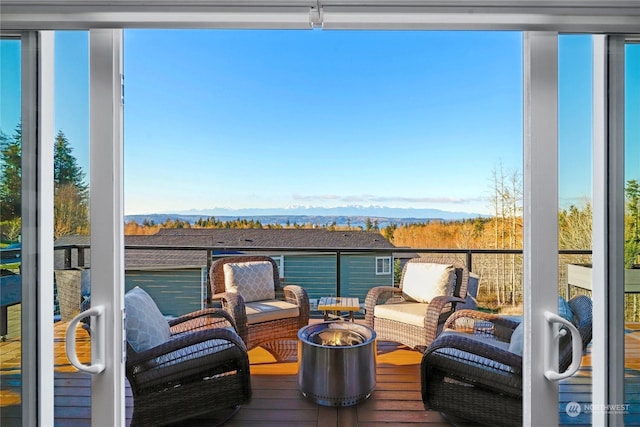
x,y
337,338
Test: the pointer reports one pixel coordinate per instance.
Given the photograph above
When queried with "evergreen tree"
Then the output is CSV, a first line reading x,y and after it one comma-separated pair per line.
x,y
389,230
71,215
71,198
65,166
11,175
368,224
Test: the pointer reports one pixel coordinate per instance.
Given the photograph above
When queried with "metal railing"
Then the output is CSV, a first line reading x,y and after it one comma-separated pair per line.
x,y
468,254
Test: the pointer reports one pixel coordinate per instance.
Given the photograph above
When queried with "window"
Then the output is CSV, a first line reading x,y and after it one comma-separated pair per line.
x,y
383,265
280,263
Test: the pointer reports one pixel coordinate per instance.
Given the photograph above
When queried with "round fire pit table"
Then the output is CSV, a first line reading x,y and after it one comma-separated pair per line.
x,y
337,363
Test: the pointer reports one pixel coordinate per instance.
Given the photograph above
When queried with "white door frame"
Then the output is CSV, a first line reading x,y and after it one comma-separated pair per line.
x,y
107,220
540,251
37,227
588,16
608,228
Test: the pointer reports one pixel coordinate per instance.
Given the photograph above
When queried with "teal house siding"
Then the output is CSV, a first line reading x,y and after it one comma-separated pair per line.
x,y
176,279
176,291
358,275
316,273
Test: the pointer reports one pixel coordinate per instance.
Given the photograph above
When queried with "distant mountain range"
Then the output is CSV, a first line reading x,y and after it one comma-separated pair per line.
x,y
353,215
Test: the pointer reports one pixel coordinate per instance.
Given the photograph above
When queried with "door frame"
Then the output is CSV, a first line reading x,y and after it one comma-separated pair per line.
x,y
107,219
37,357
594,16
608,227
540,250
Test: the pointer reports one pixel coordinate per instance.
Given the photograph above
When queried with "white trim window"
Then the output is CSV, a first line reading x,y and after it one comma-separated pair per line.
x,y
279,259
383,265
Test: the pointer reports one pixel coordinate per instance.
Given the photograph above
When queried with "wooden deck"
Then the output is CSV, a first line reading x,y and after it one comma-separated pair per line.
x,y
277,401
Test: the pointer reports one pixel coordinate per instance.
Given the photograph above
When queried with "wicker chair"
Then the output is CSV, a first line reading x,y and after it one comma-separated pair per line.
x,y
473,375
201,370
396,316
286,313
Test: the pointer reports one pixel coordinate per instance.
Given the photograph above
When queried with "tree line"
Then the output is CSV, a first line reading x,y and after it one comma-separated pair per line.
x,y
151,227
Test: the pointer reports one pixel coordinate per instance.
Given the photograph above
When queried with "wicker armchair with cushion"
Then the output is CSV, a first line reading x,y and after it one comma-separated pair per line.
x,y
473,370
414,312
266,314
184,368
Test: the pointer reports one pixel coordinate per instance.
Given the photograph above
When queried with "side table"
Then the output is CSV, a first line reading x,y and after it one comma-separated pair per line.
x,y
332,307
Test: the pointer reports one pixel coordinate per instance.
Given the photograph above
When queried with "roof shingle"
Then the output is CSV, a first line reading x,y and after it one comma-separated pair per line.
x,y
211,238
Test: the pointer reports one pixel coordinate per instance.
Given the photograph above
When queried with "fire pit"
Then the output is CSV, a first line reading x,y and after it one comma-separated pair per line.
x,y
337,363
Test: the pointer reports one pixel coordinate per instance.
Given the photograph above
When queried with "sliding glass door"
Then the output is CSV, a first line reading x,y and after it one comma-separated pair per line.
x,y
26,215
10,224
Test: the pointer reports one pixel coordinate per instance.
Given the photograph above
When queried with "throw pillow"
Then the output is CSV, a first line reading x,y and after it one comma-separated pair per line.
x,y
253,280
516,345
424,281
146,326
564,309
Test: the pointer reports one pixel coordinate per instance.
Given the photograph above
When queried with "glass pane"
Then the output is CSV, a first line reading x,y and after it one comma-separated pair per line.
x,y
318,117
10,227
71,217
575,82
632,233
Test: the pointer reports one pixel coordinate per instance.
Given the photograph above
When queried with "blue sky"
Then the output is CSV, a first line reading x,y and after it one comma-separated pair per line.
x,y
270,119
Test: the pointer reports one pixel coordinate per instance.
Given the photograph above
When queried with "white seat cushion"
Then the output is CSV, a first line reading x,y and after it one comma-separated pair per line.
x,y
422,281
411,313
264,311
252,279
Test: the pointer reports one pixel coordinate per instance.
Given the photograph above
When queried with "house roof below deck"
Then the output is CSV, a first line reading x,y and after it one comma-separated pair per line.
x,y
277,238
225,240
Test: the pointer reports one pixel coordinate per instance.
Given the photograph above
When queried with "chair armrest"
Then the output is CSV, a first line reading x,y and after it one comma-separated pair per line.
x,y
380,294
233,303
474,362
477,322
207,350
433,313
181,343
375,296
297,295
207,318
477,352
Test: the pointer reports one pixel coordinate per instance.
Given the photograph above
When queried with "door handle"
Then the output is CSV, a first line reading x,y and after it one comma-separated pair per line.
x,y
576,344
97,335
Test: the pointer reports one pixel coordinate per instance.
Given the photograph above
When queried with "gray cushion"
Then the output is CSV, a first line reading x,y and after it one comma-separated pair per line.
x,y
252,279
146,326
517,340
